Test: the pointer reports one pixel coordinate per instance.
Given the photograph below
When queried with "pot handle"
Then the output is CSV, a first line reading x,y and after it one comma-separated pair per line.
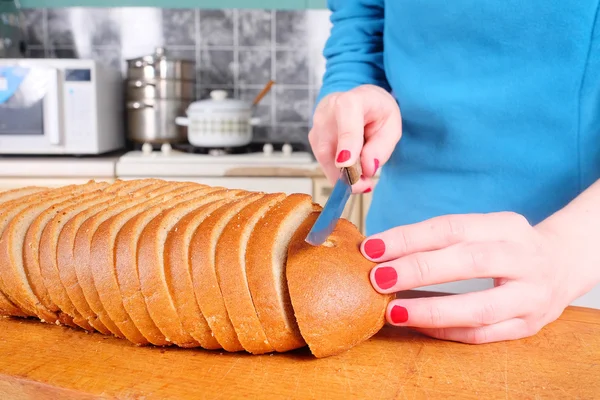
x,y
254,121
136,105
183,121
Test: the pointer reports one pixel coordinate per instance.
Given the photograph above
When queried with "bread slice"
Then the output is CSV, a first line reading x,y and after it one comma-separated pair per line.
x,y
178,273
151,258
66,241
266,257
83,244
202,252
334,302
107,255
20,193
7,308
12,244
59,300
230,263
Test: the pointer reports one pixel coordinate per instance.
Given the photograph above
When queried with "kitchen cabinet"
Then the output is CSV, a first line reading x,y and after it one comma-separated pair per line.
x,y
220,4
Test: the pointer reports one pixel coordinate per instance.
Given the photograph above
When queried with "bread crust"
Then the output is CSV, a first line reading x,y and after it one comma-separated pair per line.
x,y
204,275
265,270
66,243
48,246
103,269
334,302
230,262
151,257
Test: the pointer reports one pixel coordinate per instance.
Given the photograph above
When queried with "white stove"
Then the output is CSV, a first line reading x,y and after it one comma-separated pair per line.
x,y
259,168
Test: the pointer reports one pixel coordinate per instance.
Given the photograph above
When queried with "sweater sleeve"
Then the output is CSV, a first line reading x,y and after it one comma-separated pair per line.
x,y
354,50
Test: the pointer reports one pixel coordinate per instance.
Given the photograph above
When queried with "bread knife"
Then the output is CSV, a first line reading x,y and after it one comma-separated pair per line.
x,y
334,207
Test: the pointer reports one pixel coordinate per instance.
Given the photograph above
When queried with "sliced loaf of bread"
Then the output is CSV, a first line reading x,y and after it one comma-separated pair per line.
x,y
151,258
202,250
98,258
230,264
178,273
81,253
66,242
266,257
49,241
12,244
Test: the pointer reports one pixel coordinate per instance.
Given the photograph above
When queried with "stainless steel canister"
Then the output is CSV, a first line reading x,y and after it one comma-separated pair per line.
x,y
153,121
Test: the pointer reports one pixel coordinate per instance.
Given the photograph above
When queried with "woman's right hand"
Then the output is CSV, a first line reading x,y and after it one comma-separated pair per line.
x,y
364,123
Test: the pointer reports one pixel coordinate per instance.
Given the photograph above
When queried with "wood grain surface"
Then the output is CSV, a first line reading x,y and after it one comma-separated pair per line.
x,y
40,361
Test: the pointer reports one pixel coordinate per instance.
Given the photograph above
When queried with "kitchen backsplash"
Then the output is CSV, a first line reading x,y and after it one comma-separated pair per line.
x,y
237,50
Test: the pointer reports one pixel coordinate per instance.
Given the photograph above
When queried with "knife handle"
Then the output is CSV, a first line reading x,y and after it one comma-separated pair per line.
x,y
354,172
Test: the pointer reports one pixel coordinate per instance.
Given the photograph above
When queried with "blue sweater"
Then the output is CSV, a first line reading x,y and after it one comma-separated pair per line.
x,y
500,101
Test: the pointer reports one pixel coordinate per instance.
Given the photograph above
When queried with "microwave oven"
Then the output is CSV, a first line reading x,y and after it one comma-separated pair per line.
x,y
60,107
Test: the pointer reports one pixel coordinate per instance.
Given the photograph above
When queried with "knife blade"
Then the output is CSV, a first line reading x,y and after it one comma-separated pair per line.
x,y
334,207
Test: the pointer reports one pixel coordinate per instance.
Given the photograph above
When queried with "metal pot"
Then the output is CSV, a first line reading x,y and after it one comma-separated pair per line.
x,y
139,90
219,122
153,121
158,66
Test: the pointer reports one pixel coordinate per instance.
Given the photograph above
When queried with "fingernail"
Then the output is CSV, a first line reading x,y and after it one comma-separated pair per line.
x,y
386,277
343,156
376,166
374,248
399,315
367,190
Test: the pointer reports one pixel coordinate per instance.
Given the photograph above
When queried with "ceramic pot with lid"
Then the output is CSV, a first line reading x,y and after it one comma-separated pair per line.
x,y
159,66
219,121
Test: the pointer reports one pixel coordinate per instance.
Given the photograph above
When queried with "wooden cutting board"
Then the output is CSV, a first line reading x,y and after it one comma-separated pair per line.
x,y
40,361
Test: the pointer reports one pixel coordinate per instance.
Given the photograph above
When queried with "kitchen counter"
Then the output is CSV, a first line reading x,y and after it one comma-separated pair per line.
x,y
54,167
41,361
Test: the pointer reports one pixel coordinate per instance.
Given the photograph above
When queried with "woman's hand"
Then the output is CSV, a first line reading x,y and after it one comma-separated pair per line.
x,y
363,123
536,276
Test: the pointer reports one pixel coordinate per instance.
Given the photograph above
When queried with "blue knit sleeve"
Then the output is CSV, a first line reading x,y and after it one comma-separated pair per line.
x,y
354,50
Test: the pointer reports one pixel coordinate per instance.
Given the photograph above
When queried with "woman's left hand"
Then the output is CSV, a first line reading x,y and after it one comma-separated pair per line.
x,y
533,276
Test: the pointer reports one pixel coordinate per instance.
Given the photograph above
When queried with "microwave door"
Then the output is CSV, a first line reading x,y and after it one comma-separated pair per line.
x,y
30,117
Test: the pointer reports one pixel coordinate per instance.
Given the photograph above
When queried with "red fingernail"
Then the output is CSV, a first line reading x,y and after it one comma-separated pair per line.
x,y
399,315
374,248
343,156
386,277
367,190
376,166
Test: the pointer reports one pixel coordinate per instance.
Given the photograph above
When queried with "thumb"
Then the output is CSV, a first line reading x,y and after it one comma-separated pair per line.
x,y
350,120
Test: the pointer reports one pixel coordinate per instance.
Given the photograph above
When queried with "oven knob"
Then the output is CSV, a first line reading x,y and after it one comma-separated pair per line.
x,y
166,148
147,148
287,149
268,149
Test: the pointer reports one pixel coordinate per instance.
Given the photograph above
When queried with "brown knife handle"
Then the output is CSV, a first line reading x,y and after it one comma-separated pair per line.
x,y
354,172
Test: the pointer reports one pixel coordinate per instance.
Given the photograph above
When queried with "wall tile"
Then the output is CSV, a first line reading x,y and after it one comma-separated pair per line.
x,y
179,27
263,109
290,29
36,52
291,134
216,67
35,26
254,28
291,105
216,28
60,33
255,67
291,67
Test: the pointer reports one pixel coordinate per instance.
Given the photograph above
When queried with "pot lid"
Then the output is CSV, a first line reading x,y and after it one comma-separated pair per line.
x,y
159,55
219,102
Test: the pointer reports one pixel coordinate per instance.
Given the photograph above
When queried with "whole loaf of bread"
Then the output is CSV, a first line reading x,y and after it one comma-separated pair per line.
x,y
183,264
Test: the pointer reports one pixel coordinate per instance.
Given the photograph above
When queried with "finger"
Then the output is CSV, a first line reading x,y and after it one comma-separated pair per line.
x,y
381,136
323,138
350,118
455,263
512,329
475,309
444,231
